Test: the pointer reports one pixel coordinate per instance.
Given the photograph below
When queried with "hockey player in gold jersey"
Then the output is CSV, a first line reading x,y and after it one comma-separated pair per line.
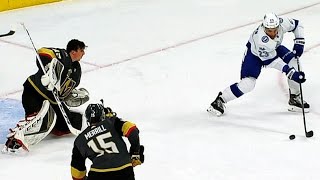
x,y
62,73
103,144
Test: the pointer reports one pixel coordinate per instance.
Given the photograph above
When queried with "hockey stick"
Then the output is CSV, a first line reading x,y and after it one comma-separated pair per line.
x,y
54,92
11,32
307,133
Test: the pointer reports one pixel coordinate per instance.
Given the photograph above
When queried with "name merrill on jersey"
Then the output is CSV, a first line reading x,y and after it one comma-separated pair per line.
x,y
94,131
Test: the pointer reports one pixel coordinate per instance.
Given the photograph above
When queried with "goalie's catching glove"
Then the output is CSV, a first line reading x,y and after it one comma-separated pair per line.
x,y
137,158
77,97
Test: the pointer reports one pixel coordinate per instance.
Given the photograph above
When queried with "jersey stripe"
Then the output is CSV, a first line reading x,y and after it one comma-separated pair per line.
x,y
127,127
77,174
111,169
46,52
42,94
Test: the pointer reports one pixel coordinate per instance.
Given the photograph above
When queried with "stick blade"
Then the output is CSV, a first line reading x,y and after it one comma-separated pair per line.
x,y
309,134
11,32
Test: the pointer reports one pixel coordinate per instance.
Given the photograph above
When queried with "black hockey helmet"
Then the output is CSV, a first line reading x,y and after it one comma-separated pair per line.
x,y
95,113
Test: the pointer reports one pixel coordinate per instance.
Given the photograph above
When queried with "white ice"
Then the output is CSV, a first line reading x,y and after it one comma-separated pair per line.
x,y
160,64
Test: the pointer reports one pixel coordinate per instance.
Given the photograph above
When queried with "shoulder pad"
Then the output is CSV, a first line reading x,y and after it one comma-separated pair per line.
x,y
47,52
127,128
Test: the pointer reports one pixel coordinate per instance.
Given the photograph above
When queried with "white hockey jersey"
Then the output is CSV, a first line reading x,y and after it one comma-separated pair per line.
x,y
264,47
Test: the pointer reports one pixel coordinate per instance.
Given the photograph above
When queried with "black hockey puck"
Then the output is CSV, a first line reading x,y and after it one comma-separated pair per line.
x,y
292,137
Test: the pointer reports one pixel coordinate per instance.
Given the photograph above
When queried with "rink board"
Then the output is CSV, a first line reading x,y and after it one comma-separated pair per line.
x,y
15,4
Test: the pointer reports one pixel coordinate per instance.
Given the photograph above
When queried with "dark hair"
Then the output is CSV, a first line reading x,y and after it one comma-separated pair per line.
x,y
75,44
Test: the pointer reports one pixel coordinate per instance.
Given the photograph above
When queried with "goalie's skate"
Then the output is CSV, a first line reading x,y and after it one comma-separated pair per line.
x,y
217,106
15,144
31,130
295,104
14,152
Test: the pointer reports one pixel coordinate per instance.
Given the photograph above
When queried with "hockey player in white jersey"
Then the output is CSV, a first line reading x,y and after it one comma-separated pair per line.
x,y
264,49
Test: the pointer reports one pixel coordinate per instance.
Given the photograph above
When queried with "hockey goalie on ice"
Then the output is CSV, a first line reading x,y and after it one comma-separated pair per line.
x,y
48,96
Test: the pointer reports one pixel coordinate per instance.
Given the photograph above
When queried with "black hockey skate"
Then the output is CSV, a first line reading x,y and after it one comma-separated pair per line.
x,y
295,104
217,106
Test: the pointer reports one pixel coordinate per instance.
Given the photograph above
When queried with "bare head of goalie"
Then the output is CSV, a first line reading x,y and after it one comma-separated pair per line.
x,y
74,45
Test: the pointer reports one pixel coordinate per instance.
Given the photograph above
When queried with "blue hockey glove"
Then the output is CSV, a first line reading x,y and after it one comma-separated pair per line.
x,y
294,75
298,46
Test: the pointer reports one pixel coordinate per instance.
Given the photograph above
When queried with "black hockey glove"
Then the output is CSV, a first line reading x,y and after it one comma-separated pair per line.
x,y
109,113
137,158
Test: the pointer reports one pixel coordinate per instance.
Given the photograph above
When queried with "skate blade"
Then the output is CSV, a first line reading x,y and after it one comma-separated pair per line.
x,y
214,112
297,109
14,152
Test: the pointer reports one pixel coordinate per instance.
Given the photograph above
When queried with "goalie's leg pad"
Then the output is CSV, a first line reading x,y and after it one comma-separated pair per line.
x,y
42,125
33,129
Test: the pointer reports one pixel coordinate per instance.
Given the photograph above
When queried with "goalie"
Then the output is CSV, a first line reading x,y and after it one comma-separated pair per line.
x,y
42,113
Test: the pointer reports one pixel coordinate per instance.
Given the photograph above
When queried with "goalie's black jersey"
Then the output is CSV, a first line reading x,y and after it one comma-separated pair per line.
x,y
104,146
70,77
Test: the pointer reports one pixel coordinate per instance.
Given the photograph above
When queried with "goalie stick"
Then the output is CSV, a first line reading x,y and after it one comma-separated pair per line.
x,y
11,32
54,92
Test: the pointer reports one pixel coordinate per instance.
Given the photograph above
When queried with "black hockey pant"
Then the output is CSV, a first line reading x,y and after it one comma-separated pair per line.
x,y
124,174
32,103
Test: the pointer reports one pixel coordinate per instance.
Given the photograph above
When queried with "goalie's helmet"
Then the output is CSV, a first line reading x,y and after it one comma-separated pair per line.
x,y
95,113
271,21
